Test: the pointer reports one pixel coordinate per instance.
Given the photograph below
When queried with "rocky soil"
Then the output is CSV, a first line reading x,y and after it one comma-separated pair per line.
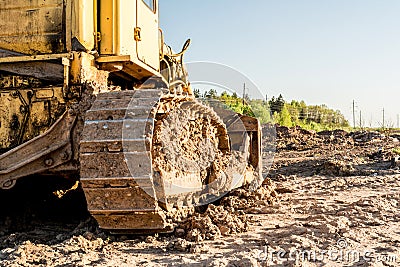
x,y
330,199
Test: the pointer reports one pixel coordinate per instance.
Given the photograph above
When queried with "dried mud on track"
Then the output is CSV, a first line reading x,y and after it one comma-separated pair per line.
x,y
337,204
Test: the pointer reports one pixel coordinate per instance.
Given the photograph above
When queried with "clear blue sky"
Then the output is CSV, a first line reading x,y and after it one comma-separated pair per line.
x,y
321,51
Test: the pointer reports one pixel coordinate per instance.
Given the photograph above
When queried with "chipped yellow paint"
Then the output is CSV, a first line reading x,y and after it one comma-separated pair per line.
x,y
61,193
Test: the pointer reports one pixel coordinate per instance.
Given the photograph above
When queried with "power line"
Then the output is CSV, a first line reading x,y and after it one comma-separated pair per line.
x,y
244,91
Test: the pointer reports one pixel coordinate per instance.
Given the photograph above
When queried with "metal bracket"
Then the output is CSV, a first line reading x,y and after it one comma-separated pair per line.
x,y
137,35
66,63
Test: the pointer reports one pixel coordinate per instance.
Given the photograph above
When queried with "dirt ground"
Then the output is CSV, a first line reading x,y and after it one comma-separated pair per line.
x,y
332,199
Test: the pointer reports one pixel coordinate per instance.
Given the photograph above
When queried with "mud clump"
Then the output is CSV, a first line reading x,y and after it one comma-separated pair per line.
x,y
337,168
184,143
217,221
295,138
192,157
229,216
66,253
298,139
366,136
243,199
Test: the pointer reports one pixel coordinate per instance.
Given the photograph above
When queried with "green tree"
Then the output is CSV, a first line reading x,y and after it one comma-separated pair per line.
x,y
284,117
212,93
260,110
196,93
276,105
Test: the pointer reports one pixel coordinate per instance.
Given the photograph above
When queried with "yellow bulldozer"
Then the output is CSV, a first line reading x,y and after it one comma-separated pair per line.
x,y
89,92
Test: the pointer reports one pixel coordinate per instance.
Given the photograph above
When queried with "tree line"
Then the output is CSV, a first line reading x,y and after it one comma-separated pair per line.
x,y
279,111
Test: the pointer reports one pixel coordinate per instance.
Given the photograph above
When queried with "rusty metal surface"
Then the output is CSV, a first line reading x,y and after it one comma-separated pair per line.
x,y
25,111
32,27
35,67
44,152
254,130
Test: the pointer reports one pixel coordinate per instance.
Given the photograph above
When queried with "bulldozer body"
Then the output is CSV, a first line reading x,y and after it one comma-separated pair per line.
x,y
74,74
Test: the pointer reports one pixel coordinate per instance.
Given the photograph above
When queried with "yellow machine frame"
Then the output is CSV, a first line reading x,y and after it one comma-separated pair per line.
x,y
125,33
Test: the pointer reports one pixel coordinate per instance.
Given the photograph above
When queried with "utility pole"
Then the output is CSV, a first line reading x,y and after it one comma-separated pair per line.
x,y
383,118
244,92
354,114
360,120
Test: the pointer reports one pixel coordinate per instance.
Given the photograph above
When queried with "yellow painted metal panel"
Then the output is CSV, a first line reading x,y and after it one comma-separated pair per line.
x,y
46,26
148,47
117,23
107,21
127,24
32,27
83,22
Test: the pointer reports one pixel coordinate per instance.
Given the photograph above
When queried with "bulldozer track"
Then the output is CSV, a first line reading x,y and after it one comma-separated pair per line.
x,y
116,167
145,154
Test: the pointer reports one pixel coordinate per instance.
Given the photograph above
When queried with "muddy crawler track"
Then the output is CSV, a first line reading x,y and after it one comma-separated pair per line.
x,y
123,171
190,152
116,199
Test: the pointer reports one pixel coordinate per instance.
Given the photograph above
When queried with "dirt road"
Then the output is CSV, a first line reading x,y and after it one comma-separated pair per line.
x,y
338,204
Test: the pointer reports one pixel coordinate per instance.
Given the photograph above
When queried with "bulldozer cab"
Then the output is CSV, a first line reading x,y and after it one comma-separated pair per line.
x,y
129,28
128,31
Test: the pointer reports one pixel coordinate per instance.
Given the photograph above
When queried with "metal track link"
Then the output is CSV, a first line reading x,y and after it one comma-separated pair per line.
x,y
116,167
